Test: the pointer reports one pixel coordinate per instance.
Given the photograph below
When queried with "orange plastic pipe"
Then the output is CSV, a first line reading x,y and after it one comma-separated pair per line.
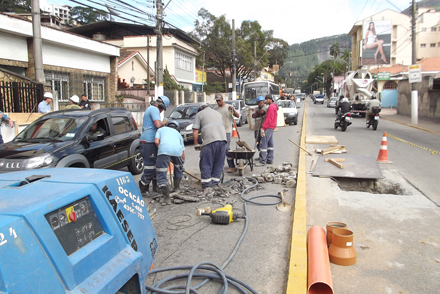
x,y
319,277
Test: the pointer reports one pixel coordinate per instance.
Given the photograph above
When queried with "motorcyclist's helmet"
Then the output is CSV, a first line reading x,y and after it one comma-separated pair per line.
x,y
260,98
344,100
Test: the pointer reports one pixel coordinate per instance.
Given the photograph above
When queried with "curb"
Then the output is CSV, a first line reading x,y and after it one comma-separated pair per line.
x,y
297,271
410,125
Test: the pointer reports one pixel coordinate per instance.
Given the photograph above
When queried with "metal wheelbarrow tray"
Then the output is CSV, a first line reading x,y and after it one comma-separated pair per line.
x,y
242,159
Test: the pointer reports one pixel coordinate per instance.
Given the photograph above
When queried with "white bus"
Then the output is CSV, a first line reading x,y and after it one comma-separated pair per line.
x,y
261,88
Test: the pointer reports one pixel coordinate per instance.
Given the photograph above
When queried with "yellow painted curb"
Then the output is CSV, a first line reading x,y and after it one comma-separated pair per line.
x,y
297,272
409,125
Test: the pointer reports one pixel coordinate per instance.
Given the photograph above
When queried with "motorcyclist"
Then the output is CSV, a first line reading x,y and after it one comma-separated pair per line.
x,y
369,106
343,107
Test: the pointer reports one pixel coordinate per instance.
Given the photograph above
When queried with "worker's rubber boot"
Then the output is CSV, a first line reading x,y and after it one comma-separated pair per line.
x,y
155,187
176,184
144,189
166,195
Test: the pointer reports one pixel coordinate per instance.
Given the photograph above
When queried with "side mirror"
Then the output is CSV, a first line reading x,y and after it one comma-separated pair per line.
x,y
95,137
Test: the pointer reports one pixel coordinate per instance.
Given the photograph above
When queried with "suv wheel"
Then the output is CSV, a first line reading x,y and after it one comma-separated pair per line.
x,y
137,163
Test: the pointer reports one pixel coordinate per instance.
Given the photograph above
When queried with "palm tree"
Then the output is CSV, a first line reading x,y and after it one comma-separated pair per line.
x,y
334,51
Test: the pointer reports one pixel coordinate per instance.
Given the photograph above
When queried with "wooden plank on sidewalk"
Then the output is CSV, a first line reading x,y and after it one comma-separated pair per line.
x,y
321,140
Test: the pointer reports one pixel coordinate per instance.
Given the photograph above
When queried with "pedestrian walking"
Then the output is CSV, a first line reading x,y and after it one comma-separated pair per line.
x,y
267,129
226,110
151,122
4,118
170,149
213,148
85,103
44,106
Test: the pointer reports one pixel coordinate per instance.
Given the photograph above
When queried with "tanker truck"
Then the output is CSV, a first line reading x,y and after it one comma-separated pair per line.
x,y
357,87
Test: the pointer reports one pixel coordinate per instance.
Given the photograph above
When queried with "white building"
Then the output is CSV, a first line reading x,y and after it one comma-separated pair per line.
x,y
62,11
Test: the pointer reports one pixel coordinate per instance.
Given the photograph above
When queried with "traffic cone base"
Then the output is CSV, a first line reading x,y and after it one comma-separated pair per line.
x,y
383,151
234,132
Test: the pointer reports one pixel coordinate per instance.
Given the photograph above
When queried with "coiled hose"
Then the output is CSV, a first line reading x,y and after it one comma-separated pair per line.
x,y
209,266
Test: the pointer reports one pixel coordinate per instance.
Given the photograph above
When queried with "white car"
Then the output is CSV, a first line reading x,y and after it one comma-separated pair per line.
x,y
290,111
319,99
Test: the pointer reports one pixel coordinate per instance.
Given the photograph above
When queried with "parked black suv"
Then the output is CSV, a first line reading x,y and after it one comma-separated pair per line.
x,y
103,138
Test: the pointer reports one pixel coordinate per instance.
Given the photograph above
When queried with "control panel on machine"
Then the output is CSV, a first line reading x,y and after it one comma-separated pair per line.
x,y
75,225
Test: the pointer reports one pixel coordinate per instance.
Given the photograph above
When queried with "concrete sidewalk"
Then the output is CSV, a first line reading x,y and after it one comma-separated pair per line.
x,y
427,124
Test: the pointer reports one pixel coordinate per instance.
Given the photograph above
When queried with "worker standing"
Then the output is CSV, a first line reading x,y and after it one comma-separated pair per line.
x,y
226,111
74,100
267,129
259,115
4,118
212,150
44,106
170,149
151,122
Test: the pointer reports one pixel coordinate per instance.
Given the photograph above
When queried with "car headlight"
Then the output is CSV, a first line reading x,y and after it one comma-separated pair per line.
x,y
39,161
189,127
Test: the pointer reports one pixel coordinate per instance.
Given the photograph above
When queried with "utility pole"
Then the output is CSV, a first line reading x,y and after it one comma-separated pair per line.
x,y
414,94
255,59
234,69
37,43
148,70
203,70
159,54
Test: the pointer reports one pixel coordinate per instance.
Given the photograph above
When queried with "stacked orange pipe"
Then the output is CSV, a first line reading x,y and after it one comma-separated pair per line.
x,y
318,264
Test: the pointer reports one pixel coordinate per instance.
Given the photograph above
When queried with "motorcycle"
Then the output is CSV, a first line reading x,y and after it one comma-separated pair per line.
x,y
374,118
344,121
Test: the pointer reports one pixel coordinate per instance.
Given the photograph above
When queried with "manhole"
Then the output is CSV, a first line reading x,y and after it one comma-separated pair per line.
x,y
373,186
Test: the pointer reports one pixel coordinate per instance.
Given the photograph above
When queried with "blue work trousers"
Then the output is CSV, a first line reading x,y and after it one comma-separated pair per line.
x,y
162,164
212,158
149,153
229,157
266,147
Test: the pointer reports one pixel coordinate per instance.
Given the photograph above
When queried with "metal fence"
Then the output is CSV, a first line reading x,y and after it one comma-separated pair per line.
x,y
129,106
20,96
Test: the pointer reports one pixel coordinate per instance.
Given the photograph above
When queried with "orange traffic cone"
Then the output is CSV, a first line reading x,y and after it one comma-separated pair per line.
x,y
234,132
383,151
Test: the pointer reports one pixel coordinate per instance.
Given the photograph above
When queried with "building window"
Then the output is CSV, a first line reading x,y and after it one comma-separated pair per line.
x,y
94,86
432,45
183,61
389,86
423,29
59,82
433,29
422,45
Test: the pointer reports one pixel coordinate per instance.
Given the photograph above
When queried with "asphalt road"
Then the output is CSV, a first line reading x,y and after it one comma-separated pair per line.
x,y
262,259
396,236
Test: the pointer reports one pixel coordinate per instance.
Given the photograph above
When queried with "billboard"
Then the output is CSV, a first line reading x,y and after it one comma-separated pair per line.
x,y
200,76
376,42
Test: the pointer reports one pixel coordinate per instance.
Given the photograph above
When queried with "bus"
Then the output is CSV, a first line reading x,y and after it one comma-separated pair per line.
x,y
261,88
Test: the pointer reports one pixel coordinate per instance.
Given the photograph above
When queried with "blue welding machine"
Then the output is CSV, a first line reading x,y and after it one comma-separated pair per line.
x,y
71,230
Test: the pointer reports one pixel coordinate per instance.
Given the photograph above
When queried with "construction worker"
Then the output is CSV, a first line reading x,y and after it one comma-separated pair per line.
x,y
213,148
170,148
369,106
227,111
151,122
267,129
44,106
259,115
74,101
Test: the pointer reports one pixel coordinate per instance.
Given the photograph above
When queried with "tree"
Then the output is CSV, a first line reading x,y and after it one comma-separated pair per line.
x,y
87,15
17,6
168,82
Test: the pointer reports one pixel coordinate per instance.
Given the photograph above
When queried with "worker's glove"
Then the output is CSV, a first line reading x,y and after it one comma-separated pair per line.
x,y
262,133
197,147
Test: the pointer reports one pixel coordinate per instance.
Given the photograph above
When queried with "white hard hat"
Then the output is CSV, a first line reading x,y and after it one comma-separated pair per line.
x,y
48,95
344,100
75,99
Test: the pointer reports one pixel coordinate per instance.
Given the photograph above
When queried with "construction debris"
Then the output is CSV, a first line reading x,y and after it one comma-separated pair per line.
x,y
336,163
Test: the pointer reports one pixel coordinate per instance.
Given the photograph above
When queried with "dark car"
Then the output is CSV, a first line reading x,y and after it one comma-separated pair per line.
x,y
242,110
103,138
184,114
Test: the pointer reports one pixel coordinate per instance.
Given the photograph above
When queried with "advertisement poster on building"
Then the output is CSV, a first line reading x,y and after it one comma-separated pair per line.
x,y
376,42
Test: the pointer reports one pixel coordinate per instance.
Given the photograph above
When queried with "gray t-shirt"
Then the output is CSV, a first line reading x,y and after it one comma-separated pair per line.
x,y
227,117
210,123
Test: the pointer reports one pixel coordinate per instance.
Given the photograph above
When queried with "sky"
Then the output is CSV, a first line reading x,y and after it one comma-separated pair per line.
x,y
294,21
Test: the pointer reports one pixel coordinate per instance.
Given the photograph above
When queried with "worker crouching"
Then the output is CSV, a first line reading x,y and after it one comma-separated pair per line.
x,y
170,149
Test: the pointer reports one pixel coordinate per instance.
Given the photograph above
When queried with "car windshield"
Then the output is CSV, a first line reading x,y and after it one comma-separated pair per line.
x,y
233,103
286,103
184,111
52,129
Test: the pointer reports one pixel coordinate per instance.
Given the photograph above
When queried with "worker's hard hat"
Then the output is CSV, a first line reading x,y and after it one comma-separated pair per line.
x,y
48,95
163,102
260,98
174,125
344,100
75,99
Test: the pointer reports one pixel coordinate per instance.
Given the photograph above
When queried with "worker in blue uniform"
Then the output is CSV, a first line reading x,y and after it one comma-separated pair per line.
x,y
151,122
170,149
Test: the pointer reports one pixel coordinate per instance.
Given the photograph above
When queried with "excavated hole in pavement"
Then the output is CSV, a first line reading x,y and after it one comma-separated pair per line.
x,y
373,186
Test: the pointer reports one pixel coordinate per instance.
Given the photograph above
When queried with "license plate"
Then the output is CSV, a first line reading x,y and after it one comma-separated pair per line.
x,y
347,118
376,117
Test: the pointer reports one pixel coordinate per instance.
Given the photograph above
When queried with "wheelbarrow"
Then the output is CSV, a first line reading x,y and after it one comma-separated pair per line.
x,y
243,158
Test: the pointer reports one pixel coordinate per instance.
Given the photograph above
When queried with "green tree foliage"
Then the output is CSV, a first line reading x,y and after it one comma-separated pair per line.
x,y
87,15
169,83
17,6
214,87
278,50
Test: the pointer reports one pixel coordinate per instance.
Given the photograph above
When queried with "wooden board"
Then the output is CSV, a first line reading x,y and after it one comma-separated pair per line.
x,y
321,140
24,118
